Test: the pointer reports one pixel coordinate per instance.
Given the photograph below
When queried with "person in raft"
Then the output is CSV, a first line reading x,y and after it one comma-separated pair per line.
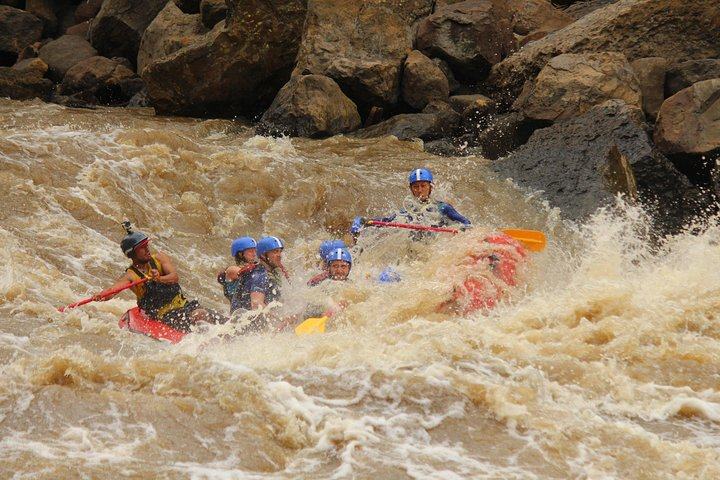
x,y
325,248
262,284
339,263
160,297
423,210
244,251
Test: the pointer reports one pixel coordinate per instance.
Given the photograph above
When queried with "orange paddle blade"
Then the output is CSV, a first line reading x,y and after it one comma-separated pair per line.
x,y
532,239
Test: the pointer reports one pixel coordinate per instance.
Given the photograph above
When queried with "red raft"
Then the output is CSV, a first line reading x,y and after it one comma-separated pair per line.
x,y
489,271
136,321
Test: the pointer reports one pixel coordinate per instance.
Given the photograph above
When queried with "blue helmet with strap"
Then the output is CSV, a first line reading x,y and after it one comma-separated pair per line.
x,y
420,175
328,246
242,243
339,254
266,244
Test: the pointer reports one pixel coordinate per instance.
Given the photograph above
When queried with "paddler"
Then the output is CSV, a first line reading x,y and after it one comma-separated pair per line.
x,y
339,263
161,296
422,210
244,251
325,248
262,284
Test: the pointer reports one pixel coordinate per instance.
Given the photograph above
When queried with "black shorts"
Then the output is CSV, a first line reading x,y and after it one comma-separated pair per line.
x,y
181,318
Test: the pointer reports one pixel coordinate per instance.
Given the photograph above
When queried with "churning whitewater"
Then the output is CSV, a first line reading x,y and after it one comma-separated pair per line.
x,y
604,364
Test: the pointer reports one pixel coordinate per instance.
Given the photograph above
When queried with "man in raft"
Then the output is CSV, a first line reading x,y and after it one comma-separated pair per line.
x,y
423,210
262,284
161,296
244,251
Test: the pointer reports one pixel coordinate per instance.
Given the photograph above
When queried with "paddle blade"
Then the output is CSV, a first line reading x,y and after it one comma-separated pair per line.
x,y
311,325
532,239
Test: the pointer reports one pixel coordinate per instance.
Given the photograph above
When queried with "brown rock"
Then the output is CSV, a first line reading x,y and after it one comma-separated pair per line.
x,y
236,69
63,53
170,31
24,84
119,25
422,81
689,121
361,45
672,29
101,80
471,36
571,84
310,106
18,29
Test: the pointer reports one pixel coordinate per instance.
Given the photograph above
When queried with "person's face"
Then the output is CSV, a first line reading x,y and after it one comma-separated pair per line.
x,y
339,269
249,255
421,190
141,254
274,257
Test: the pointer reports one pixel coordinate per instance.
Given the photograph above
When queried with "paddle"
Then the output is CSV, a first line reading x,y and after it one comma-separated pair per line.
x,y
531,239
312,325
104,294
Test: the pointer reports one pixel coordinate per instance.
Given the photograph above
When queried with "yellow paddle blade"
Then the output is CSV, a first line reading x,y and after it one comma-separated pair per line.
x,y
531,239
311,325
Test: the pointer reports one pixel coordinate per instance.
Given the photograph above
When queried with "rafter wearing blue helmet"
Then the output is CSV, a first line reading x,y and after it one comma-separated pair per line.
x,y
243,250
262,284
423,210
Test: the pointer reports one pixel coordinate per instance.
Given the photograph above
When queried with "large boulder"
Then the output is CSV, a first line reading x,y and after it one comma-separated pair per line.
x,y
310,106
235,69
422,81
673,29
18,29
100,80
170,31
531,16
470,36
571,84
119,25
583,163
689,121
63,53
24,84
409,126
361,45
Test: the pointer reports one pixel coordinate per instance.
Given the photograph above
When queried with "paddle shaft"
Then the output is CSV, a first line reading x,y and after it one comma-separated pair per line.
x,y
104,294
378,223
531,239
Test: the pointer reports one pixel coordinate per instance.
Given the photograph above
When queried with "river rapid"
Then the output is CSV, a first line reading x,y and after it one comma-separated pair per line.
x,y
606,364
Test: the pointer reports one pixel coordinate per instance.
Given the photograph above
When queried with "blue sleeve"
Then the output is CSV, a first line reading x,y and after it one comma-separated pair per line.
x,y
359,222
450,212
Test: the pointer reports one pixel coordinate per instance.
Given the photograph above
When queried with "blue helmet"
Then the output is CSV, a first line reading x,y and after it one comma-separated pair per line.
x,y
242,243
420,175
328,246
266,244
339,254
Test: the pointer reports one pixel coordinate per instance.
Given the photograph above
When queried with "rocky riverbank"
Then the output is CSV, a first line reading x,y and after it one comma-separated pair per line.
x,y
582,100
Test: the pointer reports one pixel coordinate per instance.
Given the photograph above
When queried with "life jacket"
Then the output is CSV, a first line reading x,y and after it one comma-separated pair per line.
x,y
229,287
241,298
480,292
155,298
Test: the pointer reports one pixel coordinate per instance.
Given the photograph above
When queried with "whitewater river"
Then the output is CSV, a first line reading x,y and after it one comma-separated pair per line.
x,y
605,365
